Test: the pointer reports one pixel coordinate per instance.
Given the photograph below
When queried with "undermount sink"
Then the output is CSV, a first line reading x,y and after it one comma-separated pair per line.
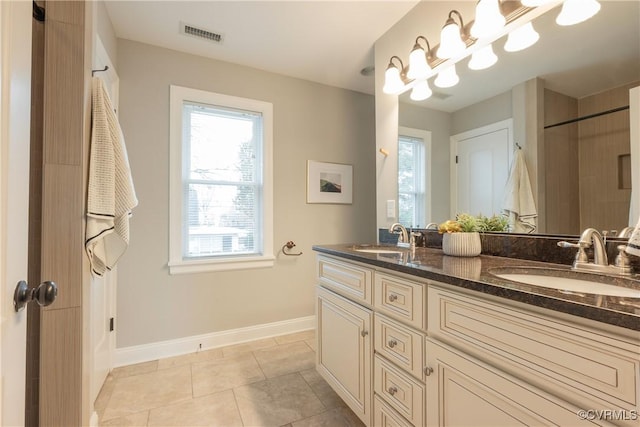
x,y
378,250
563,281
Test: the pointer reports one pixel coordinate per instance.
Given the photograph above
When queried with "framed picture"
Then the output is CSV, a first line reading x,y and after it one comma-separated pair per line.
x,y
329,182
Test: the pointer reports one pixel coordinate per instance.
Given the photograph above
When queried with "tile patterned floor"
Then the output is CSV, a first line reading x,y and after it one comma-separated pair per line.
x,y
269,382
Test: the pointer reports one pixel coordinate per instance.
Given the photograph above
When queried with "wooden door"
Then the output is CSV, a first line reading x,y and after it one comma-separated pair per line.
x,y
15,84
63,395
344,350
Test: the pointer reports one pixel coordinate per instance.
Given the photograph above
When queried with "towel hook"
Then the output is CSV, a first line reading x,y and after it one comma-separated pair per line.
x,y
287,246
106,67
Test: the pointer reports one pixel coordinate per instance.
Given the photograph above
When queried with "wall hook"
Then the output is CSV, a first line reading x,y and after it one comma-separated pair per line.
x,y
288,246
106,67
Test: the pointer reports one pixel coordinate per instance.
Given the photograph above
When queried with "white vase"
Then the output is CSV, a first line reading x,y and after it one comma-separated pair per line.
x,y
461,244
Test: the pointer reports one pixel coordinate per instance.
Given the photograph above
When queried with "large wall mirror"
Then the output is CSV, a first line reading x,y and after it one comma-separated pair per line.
x,y
580,172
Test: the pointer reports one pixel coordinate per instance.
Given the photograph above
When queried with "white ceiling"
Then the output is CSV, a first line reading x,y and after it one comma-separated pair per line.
x,y
323,41
330,41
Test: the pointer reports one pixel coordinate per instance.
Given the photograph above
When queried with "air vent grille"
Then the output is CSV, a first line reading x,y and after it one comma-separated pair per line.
x,y
200,33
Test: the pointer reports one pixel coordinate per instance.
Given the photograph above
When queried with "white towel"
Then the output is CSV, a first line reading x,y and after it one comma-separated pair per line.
x,y
633,245
111,195
518,203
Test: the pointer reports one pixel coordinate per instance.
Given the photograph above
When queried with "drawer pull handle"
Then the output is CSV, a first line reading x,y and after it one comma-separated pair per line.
x,y
393,343
392,390
393,297
364,333
428,371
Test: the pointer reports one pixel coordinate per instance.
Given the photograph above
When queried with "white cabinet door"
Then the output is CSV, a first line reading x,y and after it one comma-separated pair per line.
x,y
344,350
462,391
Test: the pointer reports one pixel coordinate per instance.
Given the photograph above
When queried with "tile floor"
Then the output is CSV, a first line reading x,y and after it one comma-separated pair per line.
x,y
269,382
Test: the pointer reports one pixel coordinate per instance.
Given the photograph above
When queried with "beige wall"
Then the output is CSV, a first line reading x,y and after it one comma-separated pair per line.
x,y
311,122
104,29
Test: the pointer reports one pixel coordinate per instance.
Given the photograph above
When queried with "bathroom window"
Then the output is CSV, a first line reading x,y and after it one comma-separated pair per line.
x,y
221,195
413,202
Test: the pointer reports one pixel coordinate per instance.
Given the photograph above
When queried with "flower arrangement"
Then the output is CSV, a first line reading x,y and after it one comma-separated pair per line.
x,y
466,223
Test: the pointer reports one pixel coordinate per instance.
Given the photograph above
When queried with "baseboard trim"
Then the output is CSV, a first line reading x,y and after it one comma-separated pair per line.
x,y
162,349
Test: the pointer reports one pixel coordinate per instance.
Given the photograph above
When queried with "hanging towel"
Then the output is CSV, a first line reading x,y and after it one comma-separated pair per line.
x,y
633,245
518,203
111,195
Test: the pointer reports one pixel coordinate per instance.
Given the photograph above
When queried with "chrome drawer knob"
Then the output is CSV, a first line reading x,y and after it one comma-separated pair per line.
x,y
393,343
392,390
393,297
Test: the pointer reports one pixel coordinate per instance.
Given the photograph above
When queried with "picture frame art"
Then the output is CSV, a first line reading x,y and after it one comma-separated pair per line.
x,y
329,182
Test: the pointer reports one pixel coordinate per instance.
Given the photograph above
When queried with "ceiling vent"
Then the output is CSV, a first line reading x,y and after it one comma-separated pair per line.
x,y
193,31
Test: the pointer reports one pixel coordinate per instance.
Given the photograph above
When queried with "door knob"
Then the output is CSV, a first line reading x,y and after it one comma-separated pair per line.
x,y
44,294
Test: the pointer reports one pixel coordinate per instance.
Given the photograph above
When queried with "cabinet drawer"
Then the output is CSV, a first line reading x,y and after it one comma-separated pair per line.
x,y
401,299
581,365
399,390
399,344
348,279
385,416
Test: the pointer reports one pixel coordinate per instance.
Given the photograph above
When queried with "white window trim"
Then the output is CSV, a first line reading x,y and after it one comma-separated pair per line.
x,y
178,265
425,136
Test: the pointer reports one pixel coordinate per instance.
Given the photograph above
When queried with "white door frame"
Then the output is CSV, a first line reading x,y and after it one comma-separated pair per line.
x,y
455,139
15,108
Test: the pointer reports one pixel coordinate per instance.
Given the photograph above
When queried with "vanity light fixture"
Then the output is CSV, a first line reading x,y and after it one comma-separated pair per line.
x,y
419,61
421,91
521,38
393,81
489,20
451,44
483,58
576,11
447,77
534,3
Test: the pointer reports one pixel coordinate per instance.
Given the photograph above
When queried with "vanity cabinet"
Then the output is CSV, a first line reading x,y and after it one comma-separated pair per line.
x,y
462,391
408,352
575,363
344,350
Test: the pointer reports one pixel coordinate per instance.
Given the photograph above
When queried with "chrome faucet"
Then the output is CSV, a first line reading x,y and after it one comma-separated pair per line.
x,y
433,225
403,238
592,238
625,232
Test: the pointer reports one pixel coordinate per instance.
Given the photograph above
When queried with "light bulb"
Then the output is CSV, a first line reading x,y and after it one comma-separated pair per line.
x,y
521,38
576,11
483,58
451,43
418,65
393,83
447,77
489,20
421,91
534,3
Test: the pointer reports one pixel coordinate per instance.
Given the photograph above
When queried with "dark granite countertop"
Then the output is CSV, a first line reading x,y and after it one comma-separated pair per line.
x,y
474,274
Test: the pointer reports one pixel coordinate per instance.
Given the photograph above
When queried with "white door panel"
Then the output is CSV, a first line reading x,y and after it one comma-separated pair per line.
x,y
15,98
103,289
480,174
